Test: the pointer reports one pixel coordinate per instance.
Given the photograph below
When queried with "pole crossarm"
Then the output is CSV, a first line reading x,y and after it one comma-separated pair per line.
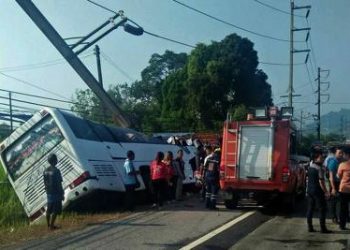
x,y
302,7
284,96
301,50
83,39
301,29
89,44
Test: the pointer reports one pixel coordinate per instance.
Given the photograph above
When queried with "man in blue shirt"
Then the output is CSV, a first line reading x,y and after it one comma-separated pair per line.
x,y
130,181
332,166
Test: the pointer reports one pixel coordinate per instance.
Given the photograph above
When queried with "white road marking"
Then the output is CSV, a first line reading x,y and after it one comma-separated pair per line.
x,y
217,231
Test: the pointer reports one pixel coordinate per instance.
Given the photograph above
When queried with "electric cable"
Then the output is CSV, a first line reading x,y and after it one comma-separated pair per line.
x,y
112,63
276,9
32,85
231,24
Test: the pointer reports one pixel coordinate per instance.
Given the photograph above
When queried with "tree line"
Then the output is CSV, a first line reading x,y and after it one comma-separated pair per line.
x,y
188,92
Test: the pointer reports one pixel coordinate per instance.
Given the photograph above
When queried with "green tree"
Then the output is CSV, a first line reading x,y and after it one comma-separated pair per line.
x,y
240,113
179,92
144,97
140,100
217,78
88,105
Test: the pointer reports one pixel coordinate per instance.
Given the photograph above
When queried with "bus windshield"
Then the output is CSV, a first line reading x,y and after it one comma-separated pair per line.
x,y
32,146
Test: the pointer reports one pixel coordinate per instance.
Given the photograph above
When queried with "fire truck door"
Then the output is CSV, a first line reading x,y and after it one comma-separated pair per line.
x,y
255,158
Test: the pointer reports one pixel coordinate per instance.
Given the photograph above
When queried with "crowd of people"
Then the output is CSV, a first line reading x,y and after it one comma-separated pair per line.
x,y
329,180
167,175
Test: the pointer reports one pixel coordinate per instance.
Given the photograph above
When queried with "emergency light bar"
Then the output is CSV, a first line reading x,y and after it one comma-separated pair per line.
x,y
286,112
260,113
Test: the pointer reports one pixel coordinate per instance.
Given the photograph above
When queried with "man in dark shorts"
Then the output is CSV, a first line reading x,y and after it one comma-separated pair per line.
x,y
54,191
317,191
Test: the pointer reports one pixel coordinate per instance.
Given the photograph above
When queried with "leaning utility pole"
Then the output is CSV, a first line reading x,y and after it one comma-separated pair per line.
x,y
72,56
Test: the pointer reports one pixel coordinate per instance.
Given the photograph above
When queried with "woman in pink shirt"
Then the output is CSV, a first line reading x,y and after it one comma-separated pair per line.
x,y
344,189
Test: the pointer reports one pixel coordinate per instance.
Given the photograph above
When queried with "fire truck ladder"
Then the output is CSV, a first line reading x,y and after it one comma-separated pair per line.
x,y
230,139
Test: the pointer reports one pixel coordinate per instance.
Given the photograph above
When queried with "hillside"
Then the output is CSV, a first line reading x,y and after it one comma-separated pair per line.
x,y
332,122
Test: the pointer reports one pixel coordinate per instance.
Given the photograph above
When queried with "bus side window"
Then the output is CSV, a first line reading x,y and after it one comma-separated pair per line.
x,y
81,128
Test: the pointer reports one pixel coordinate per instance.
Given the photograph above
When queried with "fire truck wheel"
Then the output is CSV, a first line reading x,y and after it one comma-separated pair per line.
x,y
290,202
231,203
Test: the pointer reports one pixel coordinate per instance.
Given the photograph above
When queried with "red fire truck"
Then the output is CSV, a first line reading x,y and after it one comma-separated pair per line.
x,y
259,161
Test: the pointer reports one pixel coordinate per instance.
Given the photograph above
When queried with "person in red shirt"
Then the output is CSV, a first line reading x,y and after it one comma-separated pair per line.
x,y
169,162
159,177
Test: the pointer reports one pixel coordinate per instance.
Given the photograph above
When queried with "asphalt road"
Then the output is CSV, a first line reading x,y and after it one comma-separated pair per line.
x,y
285,231
171,228
188,225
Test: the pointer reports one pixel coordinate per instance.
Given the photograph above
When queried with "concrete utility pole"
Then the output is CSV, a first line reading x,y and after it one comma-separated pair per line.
x,y
318,103
98,62
291,59
291,48
100,80
11,115
301,124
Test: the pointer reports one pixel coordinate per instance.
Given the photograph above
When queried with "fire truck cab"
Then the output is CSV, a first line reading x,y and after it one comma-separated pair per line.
x,y
258,160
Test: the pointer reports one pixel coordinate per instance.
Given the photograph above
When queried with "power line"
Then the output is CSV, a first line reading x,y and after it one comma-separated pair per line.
x,y
331,103
34,103
20,107
145,31
276,9
112,63
49,98
168,39
102,7
280,64
309,76
231,24
49,106
32,85
203,13
45,105
37,65
37,96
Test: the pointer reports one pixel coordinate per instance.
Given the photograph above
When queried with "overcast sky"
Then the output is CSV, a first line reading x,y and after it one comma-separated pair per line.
x,y
22,44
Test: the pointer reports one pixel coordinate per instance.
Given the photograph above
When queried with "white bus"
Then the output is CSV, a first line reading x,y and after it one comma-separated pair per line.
x,y
90,157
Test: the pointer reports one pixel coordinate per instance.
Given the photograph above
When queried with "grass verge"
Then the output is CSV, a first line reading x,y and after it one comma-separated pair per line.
x,y
68,222
14,223
11,210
